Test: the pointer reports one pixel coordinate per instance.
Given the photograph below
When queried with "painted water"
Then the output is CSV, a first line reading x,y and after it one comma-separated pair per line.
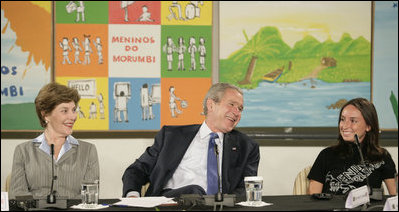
x,y
299,104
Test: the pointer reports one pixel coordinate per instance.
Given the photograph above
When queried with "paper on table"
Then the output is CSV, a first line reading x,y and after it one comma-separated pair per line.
x,y
145,202
260,204
94,207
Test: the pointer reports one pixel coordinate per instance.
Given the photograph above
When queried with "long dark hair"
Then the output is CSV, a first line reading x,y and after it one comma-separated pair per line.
x,y
370,145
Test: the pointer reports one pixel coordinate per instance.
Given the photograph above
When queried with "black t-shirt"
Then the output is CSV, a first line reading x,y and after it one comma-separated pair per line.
x,y
339,176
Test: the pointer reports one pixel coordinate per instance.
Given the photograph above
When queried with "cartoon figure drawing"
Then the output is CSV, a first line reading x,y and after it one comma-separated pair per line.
x,y
193,10
88,50
121,106
99,48
172,102
154,98
145,102
145,16
102,107
181,49
150,113
80,113
202,53
124,6
192,49
78,49
70,7
172,14
92,111
65,47
121,96
80,10
169,48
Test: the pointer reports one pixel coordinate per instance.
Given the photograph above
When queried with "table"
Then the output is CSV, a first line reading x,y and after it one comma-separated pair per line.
x,y
280,203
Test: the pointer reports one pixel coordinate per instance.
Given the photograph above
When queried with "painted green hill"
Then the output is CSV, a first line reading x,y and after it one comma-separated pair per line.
x,y
266,51
360,46
343,44
305,48
266,44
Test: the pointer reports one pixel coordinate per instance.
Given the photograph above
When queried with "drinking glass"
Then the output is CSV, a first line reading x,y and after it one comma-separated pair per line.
x,y
253,188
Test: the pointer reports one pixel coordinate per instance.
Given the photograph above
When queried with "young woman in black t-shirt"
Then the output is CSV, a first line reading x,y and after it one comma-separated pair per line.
x,y
338,168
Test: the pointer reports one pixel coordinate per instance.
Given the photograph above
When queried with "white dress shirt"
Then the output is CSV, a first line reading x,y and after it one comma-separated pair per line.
x,y
193,167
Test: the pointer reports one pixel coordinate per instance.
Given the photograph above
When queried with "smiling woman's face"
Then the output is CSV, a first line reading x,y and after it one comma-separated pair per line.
x,y
351,123
62,119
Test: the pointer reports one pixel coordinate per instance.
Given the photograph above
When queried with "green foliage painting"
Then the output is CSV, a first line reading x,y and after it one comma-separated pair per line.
x,y
297,62
304,60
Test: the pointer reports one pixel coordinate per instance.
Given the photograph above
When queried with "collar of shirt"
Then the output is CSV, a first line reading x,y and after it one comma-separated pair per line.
x,y
205,131
70,140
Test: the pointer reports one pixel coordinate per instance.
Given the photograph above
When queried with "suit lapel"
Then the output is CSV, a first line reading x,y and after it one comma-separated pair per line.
x,y
179,146
68,154
229,145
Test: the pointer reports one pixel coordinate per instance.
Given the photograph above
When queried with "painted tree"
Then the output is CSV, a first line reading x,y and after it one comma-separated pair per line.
x,y
257,47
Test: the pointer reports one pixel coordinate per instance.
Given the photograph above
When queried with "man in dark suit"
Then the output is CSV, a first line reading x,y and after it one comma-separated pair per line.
x,y
177,161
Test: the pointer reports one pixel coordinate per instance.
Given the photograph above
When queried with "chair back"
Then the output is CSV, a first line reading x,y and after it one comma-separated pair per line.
x,y
144,189
301,183
7,185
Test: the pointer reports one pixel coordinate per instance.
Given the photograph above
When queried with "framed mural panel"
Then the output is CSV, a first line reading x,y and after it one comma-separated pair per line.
x,y
129,60
385,66
26,49
298,62
134,62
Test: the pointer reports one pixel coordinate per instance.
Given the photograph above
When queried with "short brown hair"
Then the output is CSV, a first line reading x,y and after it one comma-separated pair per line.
x,y
52,95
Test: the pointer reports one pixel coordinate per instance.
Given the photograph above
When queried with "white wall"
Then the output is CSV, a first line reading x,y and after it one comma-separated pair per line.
x,y
278,165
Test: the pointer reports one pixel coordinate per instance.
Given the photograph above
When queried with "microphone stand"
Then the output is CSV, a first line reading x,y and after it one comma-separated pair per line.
x,y
51,201
218,195
364,207
219,198
51,197
375,194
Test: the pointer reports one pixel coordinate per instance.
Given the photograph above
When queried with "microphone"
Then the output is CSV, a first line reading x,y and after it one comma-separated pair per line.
x,y
219,198
218,195
374,193
51,201
360,151
51,197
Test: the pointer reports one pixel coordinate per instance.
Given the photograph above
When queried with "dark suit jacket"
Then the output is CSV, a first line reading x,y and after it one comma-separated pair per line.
x,y
158,163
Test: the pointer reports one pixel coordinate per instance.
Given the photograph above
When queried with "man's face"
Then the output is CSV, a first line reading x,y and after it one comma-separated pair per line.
x,y
225,115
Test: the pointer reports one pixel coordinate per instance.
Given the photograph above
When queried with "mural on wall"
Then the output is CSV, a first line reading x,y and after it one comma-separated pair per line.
x,y
25,61
385,70
298,62
186,60
126,57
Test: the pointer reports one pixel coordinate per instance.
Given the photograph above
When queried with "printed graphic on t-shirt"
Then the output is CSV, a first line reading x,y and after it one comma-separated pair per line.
x,y
346,180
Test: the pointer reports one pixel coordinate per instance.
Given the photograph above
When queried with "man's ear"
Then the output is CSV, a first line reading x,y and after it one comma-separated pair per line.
x,y
209,104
